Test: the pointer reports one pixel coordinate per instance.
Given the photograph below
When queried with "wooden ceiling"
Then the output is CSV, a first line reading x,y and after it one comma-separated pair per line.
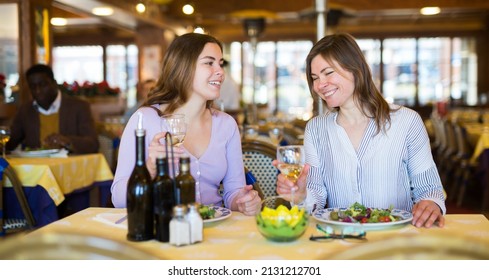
x,y
285,19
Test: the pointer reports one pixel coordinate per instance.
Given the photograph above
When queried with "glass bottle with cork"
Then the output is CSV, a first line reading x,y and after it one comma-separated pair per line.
x,y
140,216
164,199
185,182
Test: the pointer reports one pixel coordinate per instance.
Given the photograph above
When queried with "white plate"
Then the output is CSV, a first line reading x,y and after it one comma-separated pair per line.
x,y
322,215
36,153
221,214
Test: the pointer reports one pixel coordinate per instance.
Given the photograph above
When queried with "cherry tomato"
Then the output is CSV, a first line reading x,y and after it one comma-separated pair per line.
x,y
364,220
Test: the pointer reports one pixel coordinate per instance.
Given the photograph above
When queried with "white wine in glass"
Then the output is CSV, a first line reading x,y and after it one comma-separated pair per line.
x,y
178,139
175,124
291,160
4,138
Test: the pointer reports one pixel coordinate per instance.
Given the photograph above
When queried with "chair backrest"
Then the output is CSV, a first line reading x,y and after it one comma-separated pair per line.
x,y
293,135
451,139
257,158
464,150
15,225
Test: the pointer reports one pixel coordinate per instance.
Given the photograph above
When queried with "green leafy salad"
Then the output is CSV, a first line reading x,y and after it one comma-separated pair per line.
x,y
207,212
357,213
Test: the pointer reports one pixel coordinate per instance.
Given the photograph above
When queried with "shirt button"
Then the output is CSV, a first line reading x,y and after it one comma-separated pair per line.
x,y
196,183
198,172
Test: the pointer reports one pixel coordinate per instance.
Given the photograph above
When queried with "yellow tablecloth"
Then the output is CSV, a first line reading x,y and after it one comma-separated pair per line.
x,y
60,176
237,238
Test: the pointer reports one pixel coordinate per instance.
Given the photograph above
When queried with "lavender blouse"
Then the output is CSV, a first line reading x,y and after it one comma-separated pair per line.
x,y
221,162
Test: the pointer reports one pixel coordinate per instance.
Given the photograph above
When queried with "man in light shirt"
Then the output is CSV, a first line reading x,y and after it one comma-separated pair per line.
x,y
51,119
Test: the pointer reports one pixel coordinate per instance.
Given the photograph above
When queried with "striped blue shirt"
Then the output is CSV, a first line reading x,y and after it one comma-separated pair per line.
x,y
392,168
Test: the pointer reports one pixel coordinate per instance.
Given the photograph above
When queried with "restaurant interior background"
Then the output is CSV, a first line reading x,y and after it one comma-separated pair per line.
x,y
416,60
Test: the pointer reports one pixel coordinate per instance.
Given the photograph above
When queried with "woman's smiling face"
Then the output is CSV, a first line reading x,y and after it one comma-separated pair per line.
x,y
331,82
209,73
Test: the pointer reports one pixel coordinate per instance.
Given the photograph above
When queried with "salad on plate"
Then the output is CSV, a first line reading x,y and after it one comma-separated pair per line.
x,y
358,213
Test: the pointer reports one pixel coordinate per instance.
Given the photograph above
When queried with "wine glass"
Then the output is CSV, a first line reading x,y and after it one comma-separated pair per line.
x,y
251,131
4,137
276,134
291,159
175,124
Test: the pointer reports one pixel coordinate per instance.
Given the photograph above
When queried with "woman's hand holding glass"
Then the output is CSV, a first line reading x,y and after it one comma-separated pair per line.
x,y
291,162
175,124
157,148
294,191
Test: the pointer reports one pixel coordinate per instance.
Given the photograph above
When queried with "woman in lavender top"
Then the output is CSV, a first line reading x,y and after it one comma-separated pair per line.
x,y
190,80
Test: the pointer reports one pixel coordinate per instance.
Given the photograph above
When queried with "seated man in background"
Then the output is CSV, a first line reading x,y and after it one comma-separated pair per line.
x,y
51,119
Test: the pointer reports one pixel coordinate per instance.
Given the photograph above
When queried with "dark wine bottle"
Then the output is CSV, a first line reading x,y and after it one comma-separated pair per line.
x,y
164,200
140,216
185,183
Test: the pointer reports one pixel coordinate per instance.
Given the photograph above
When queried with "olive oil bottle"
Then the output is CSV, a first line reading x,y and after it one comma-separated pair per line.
x,y
185,183
140,217
164,200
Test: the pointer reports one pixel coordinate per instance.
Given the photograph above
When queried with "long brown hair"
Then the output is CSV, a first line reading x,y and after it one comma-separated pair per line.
x,y
174,84
343,49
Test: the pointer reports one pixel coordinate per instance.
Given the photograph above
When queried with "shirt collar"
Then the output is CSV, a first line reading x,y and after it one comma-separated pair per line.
x,y
53,109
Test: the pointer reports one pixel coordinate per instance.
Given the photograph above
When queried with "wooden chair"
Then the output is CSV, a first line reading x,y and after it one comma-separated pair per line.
x,y
293,135
463,168
11,225
257,158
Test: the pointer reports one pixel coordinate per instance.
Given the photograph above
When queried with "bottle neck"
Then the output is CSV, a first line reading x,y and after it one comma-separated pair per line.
x,y
140,150
184,167
161,166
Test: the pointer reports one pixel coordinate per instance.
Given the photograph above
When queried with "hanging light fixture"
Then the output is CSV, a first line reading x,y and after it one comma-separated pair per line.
x,y
103,11
140,7
199,30
188,9
59,21
428,11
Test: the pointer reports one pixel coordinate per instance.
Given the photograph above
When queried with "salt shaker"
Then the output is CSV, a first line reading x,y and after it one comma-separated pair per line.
x,y
179,227
196,224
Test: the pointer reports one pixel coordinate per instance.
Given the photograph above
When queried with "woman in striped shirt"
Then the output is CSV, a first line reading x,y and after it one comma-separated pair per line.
x,y
364,150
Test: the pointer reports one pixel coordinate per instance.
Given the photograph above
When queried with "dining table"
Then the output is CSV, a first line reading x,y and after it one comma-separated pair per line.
x,y
235,237
58,186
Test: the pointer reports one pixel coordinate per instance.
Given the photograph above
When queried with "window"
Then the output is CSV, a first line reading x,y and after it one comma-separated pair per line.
x,y
434,69
279,71
399,59
371,51
80,64
85,64
464,71
9,49
122,69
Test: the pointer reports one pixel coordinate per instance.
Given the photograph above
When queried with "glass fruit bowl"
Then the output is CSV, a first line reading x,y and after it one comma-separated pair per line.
x,y
280,222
